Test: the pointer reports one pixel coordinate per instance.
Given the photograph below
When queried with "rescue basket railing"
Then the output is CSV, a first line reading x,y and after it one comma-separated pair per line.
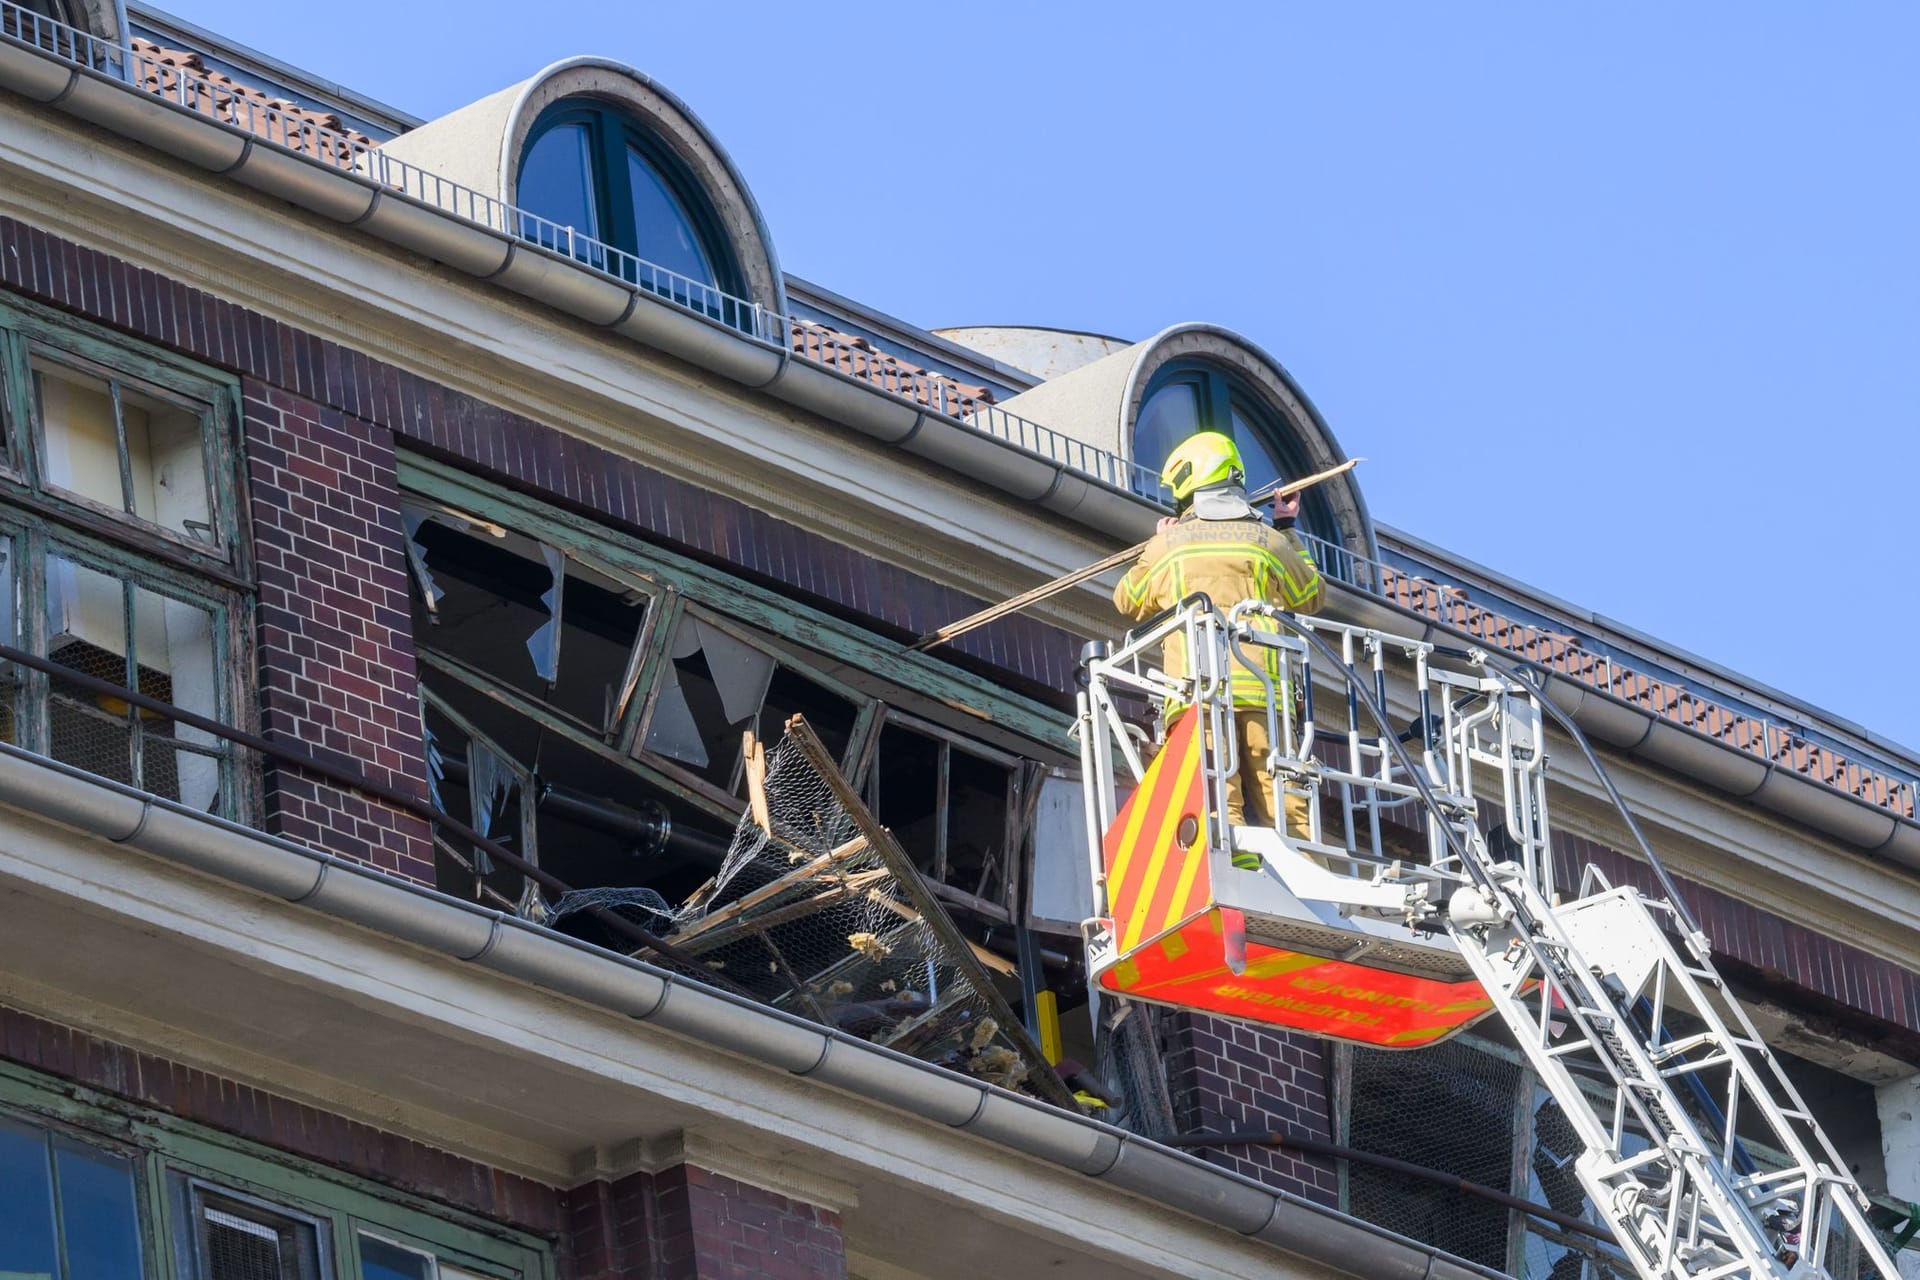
x,y
1610,986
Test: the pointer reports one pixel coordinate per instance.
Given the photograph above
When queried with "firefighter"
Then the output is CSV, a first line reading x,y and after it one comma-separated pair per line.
x,y
1218,544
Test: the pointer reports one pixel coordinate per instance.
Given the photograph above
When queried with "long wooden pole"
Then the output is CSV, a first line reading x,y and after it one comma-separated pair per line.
x,y
1046,590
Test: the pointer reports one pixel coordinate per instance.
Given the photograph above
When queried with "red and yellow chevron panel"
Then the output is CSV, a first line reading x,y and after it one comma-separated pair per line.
x,y
1156,849
1173,945
1188,969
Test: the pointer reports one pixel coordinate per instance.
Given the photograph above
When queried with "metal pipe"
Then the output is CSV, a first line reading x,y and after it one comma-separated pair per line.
x,y
651,829
1333,1151
356,781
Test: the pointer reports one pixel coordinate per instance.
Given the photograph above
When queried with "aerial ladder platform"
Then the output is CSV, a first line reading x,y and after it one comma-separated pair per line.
x,y
1417,895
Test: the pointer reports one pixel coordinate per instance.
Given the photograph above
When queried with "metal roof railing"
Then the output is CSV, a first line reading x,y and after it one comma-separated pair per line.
x,y
1658,691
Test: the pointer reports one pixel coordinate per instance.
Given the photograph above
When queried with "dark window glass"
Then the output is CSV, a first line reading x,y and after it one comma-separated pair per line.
x,y
1188,397
1169,416
382,1261
98,1213
26,1203
1262,470
904,792
663,232
593,170
556,183
598,629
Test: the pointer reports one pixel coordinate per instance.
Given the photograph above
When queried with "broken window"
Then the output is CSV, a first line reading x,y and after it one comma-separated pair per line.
x,y
714,685
517,610
615,695
951,803
123,446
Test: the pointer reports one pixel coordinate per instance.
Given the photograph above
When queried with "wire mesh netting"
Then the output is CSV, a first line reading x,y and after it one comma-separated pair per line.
x,y
817,912
1454,1108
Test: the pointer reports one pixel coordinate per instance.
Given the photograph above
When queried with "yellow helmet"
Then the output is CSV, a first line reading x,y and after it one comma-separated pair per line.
x,y
1203,459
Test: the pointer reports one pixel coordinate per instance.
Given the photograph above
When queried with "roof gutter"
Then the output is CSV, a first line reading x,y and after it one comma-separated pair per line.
x,y
388,213
1644,735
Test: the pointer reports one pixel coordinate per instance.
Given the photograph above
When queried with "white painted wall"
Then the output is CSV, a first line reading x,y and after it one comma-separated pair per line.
x,y
1899,1106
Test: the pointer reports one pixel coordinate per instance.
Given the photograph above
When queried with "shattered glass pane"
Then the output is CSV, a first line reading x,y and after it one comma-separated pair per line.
x,y
601,625
490,603
672,731
411,518
740,673
711,692
523,614
543,646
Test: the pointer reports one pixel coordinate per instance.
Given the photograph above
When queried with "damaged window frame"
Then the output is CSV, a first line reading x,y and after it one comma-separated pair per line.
x,y
1022,786
40,522
545,655
658,659
812,644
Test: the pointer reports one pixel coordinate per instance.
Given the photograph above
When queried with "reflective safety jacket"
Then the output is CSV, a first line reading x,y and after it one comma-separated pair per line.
x,y
1231,561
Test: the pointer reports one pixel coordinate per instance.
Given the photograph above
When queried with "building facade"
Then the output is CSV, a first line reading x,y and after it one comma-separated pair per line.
x,y
408,518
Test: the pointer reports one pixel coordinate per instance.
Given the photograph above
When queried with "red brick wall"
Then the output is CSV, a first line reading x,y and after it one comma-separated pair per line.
x,y
1226,1075
714,1228
278,1122
336,648
609,1229
688,1223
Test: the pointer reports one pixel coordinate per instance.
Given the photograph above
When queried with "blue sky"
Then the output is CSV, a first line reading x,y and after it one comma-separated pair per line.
x,y
1621,300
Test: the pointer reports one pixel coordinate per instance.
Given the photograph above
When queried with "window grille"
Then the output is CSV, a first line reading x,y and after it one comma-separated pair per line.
x,y
236,1239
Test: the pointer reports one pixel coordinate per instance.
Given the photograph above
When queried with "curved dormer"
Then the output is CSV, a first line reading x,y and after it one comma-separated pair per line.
x,y
604,165
1141,400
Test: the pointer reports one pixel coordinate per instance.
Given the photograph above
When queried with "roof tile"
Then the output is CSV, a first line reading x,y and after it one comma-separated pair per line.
x,y
320,134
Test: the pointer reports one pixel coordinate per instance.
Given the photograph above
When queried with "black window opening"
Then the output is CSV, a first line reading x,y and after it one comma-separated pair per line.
x,y
591,177
953,805
1187,396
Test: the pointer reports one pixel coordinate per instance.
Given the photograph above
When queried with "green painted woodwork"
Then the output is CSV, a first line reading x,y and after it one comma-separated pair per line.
x,y
345,1203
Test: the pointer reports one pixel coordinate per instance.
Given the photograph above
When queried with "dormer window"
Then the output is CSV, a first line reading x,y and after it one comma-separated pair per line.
x,y
591,170
1187,396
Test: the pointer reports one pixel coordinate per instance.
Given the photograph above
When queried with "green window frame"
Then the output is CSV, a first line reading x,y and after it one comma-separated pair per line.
x,y
752,627
177,1161
93,577
36,345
